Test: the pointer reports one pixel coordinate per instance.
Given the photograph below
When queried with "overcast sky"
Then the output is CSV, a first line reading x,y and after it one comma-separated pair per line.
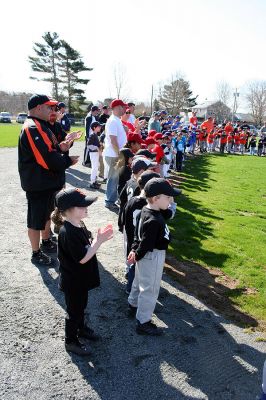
x,y
206,40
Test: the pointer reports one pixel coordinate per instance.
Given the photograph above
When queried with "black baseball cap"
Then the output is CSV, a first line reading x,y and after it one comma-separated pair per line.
x,y
39,99
145,177
140,163
61,105
146,153
126,152
68,198
157,186
95,108
94,124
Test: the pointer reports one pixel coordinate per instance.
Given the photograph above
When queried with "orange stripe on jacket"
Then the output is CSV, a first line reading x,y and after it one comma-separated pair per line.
x,y
36,152
43,134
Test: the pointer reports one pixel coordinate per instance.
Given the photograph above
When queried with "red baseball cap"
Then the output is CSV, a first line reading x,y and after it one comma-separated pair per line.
x,y
158,136
152,132
118,102
149,140
134,137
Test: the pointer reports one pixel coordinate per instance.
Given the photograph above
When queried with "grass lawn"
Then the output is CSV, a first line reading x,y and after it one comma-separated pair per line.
x,y
221,223
9,133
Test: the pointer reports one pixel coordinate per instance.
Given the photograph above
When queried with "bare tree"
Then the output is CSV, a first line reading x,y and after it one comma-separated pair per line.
x,y
119,79
256,98
223,92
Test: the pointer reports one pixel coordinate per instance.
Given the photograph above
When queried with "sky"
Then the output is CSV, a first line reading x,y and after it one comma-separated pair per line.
x,y
205,40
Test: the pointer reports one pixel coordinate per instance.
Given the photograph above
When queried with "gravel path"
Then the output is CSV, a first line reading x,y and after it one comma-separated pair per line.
x,y
202,356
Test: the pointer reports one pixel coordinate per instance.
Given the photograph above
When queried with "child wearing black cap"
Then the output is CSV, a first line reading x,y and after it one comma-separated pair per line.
x,y
152,237
94,150
78,263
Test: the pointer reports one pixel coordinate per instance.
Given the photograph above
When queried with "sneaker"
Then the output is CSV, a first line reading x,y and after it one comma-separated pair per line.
x,y
112,206
42,259
131,311
88,333
104,180
148,328
77,348
95,185
48,246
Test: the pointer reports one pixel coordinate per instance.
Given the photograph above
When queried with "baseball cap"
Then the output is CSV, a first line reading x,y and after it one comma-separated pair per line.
x,y
146,176
95,108
131,104
127,152
146,153
140,163
39,99
118,102
68,198
61,105
149,140
104,107
94,124
157,186
152,132
158,136
134,137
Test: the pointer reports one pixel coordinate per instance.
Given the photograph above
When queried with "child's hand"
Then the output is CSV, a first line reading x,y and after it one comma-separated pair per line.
x,y
105,233
131,258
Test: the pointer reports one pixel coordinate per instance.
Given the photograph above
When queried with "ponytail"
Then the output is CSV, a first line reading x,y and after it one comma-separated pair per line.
x,y
57,217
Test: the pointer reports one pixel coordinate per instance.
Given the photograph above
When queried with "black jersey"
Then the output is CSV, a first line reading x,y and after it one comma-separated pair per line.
x,y
151,233
73,243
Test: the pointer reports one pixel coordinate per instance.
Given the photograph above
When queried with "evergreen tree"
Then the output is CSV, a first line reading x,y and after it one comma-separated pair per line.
x,y
70,66
156,105
45,60
177,96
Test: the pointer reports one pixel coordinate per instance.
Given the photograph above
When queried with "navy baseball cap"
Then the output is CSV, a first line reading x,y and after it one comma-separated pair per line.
x,y
61,105
146,153
140,163
94,124
146,176
157,186
39,99
68,198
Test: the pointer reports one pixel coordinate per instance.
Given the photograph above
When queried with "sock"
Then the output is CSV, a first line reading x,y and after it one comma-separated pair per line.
x,y
45,241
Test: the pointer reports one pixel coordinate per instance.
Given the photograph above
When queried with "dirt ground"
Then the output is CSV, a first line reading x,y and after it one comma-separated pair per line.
x,y
201,356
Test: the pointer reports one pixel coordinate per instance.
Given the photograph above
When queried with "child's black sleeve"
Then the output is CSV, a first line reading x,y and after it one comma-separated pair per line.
x,y
148,238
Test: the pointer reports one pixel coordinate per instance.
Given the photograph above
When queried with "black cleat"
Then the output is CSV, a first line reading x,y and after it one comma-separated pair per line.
x,y
48,246
77,348
131,311
42,259
88,333
148,328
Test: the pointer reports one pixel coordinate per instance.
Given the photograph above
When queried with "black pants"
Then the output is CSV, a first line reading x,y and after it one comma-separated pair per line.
x,y
76,301
178,160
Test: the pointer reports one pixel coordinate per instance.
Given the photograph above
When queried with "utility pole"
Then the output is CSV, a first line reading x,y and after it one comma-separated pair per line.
x,y
236,94
151,98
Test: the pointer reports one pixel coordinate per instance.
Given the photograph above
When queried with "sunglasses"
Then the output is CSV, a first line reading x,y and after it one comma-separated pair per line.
x,y
127,112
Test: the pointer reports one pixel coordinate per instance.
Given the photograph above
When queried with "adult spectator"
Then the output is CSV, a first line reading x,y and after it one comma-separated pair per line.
x,y
115,139
42,164
208,125
63,118
154,123
125,121
228,128
193,120
91,117
132,118
104,115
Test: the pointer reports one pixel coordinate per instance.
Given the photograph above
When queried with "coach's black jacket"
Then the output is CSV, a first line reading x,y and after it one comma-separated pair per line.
x,y
41,164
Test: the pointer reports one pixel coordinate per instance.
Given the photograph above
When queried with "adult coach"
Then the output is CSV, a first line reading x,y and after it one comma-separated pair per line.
x,y
115,139
42,164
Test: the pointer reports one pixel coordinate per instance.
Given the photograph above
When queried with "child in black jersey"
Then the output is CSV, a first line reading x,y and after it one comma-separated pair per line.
x,y
152,237
78,264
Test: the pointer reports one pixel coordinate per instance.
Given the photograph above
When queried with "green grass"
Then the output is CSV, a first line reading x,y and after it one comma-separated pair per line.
x,y
221,222
9,133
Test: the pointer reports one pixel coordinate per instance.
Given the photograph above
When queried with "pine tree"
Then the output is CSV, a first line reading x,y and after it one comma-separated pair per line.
x,y
176,96
45,60
70,65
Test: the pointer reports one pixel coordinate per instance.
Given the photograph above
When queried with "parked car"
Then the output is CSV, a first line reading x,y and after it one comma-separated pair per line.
x,y
5,117
21,117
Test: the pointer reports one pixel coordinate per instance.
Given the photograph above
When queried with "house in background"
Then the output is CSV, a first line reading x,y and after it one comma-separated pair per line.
x,y
215,109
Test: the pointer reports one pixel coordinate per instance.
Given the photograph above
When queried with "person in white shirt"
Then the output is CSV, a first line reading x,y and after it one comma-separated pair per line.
x,y
115,139
132,117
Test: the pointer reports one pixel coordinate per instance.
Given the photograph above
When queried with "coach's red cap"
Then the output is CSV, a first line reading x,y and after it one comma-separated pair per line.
x,y
118,102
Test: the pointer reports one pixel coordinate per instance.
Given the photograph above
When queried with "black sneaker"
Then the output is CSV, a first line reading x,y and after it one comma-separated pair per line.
x,y
95,185
148,328
131,311
77,348
41,259
48,246
88,333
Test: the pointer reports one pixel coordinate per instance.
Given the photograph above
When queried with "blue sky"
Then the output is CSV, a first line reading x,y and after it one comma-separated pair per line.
x,y
207,41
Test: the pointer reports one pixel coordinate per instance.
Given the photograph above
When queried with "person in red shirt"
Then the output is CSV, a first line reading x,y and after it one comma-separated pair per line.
x,y
158,150
208,124
201,140
193,120
210,140
243,141
228,128
126,123
223,141
237,141
230,143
